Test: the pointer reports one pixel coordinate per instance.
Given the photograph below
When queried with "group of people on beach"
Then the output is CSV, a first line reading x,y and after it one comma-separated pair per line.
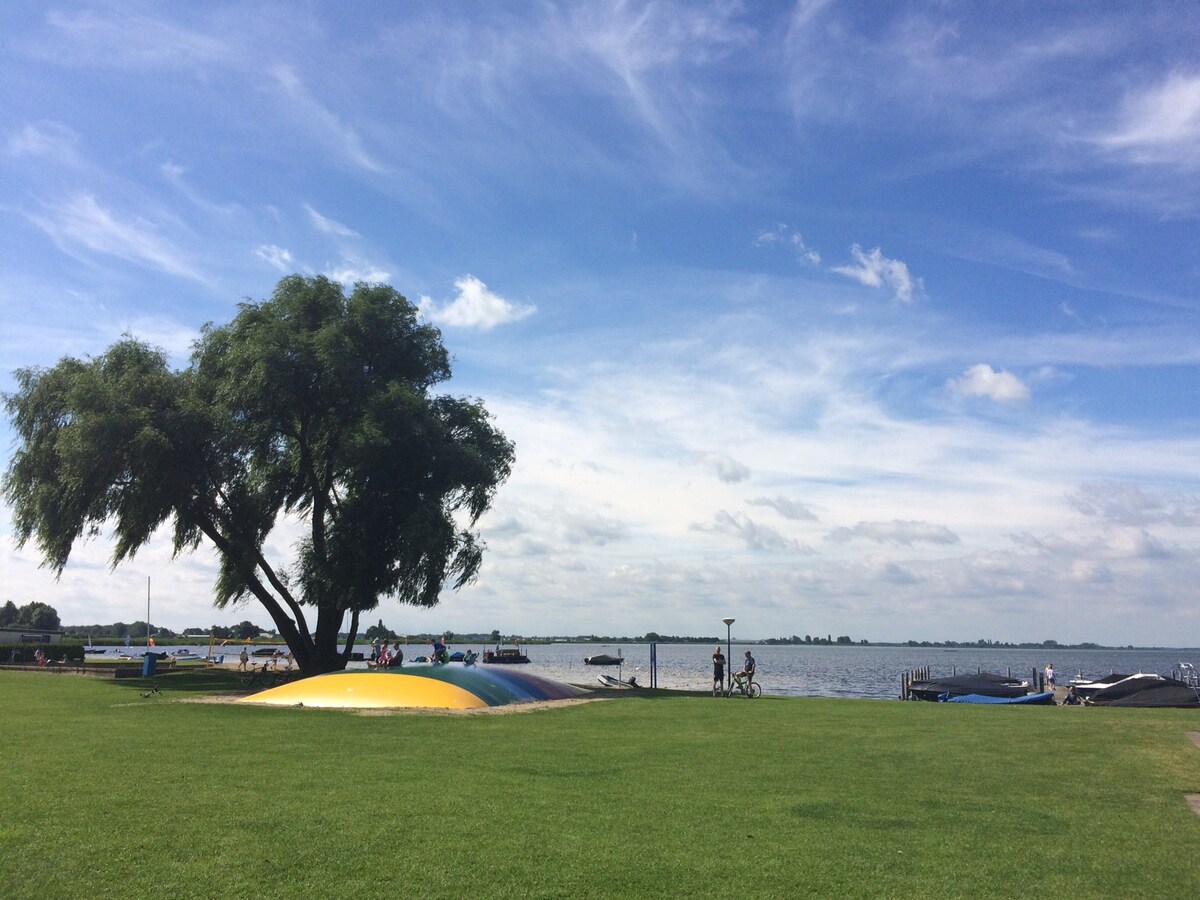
x,y
273,662
747,673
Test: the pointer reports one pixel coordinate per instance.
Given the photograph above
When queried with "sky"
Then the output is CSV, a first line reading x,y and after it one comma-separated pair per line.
x,y
877,320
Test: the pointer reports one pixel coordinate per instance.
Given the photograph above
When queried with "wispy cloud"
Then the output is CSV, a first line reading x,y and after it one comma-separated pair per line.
x,y
47,140
277,257
474,307
137,42
328,226
1128,504
982,380
81,223
726,468
898,532
754,535
1160,124
786,507
783,236
591,528
325,125
875,270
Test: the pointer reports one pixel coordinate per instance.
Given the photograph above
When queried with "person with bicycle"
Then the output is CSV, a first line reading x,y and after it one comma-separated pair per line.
x,y
744,677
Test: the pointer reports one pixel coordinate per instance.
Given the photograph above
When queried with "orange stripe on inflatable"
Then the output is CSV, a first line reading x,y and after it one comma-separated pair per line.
x,y
367,690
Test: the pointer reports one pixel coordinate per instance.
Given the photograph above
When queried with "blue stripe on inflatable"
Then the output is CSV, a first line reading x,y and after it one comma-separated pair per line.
x,y
495,687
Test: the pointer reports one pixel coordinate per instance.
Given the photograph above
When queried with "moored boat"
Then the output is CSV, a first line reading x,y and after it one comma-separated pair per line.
x,y
505,656
985,684
1123,686
604,659
1045,698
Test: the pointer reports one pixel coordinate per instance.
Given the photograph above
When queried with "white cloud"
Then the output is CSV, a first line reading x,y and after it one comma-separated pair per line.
x,y
82,223
755,536
783,236
51,141
591,528
278,257
351,272
983,381
786,507
327,127
1127,504
897,532
1160,124
474,307
328,226
874,269
726,468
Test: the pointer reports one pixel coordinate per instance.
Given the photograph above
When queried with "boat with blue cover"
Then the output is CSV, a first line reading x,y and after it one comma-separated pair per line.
x,y
1045,698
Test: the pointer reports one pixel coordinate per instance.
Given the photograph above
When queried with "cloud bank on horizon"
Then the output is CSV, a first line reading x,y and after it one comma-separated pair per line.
x,y
878,321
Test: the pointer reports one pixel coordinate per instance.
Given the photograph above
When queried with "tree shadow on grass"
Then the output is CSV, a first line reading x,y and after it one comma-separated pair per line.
x,y
198,680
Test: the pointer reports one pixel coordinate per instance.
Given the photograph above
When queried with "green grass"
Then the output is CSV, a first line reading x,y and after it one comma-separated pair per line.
x,y
112,794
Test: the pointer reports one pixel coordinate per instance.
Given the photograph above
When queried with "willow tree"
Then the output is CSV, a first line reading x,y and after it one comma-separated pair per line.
x,y
312,411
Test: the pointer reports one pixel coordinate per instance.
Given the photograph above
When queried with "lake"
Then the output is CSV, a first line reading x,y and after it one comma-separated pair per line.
x,y
816,670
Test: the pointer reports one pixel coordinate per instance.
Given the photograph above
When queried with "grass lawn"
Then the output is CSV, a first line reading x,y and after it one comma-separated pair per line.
x,y
112,794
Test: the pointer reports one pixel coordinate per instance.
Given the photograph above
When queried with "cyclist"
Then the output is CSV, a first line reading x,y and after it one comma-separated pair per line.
x,y
744,677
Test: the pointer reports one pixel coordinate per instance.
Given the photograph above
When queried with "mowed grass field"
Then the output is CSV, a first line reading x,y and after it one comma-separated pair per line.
x,y
112,794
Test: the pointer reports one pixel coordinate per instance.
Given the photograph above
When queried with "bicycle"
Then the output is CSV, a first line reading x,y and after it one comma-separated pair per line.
x,y
267,677
743,686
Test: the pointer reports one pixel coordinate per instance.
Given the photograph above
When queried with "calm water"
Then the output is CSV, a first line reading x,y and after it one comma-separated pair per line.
x,y
818,671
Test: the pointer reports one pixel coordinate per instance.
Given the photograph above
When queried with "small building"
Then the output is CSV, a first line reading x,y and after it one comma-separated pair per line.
x,y
29,636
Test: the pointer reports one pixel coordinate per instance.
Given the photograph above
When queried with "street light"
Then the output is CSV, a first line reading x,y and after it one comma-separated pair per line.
x,y
729,648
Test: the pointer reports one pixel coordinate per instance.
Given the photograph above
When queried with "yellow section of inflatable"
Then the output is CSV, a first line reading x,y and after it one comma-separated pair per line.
x,y
367,690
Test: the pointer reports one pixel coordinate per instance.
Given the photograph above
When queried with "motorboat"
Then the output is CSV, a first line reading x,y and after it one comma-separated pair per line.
x,y
1167,692
604,659
985,684
184,655
505,656
1121,686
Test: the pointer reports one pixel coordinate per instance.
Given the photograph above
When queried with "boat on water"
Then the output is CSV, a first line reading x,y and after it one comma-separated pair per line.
x,y
985,684
267,651
505,656
185,655
604,659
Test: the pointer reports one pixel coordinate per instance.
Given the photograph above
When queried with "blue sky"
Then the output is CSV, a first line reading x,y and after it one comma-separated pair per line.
x,y
838,318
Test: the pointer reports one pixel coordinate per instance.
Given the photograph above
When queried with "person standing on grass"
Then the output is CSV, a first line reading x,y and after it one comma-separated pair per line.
x,y
718,671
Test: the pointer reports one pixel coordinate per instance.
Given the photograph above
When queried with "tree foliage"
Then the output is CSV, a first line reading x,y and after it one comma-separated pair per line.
x,y
34,616
312,407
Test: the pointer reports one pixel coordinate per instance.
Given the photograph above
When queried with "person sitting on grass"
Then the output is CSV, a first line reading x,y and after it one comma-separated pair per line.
x,y
397,659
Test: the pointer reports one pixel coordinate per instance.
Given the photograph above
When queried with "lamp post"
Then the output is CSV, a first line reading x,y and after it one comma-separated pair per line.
x,y
729,649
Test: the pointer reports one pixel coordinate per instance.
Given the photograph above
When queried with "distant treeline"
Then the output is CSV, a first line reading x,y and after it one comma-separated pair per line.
x,y
43,615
